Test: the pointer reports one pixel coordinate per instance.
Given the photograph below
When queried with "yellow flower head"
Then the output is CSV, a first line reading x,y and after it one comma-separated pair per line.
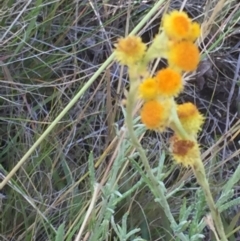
x,y
129,50
184,55
195,32
169,82
190,117
154,115
176,25
184,152
148,89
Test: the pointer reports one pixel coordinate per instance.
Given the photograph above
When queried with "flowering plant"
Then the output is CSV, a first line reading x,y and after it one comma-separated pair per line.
x,y
176,43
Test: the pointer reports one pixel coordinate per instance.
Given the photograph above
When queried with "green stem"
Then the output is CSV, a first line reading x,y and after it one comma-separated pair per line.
x,y
158,191
178,128
200,174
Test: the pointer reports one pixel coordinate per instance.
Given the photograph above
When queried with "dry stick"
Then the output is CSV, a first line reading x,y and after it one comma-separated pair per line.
x,y
74,100
89,211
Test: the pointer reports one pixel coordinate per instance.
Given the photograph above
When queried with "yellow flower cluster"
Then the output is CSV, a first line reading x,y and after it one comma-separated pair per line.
x,y
175,42
184,56
190,118
178,26
185,152
158,91
130,50
166,83
182,32
155,114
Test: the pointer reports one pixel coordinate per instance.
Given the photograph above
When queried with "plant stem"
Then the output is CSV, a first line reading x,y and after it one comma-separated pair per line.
x,y
200,174
177,127
158,191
